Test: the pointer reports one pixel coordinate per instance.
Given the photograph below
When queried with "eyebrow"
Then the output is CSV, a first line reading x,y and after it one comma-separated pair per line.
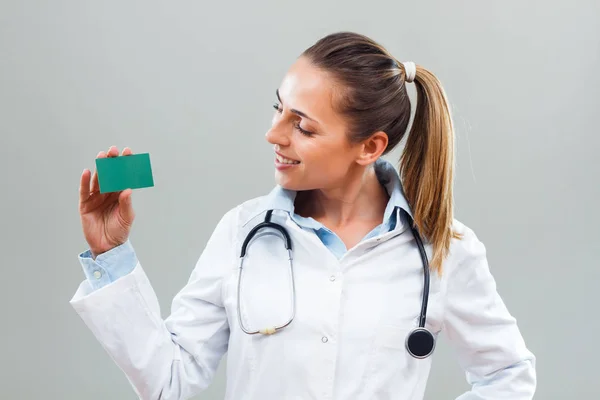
x,y
297,112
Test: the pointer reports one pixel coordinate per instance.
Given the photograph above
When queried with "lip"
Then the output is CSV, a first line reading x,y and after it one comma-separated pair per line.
x,y
282,166
284,156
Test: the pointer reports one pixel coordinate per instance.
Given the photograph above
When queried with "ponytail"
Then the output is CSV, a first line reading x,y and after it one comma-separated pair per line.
x,y
427,166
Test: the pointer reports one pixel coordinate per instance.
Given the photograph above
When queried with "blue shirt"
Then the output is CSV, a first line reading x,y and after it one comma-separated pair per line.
x,y
105,269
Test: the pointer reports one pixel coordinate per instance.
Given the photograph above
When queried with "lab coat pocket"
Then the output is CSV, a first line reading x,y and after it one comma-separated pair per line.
x,y
390,364
391,337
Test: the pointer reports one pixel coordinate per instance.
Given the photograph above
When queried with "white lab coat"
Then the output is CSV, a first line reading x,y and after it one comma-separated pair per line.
x,y
347,340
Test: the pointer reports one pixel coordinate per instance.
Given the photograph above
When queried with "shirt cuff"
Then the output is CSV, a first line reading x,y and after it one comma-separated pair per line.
x,y
109,266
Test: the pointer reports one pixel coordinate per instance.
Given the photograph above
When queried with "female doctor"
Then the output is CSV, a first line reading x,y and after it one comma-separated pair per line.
x,y
336,284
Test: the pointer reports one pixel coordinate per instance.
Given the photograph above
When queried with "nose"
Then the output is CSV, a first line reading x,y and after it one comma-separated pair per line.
x,y
277,135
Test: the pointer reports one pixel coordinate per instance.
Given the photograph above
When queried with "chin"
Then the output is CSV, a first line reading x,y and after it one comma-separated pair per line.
x,y
287,183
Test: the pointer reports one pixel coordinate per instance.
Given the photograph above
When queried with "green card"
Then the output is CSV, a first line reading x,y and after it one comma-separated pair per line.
x,y
124,172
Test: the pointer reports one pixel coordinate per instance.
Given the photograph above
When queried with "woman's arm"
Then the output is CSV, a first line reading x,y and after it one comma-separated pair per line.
x,y
490,347
177,357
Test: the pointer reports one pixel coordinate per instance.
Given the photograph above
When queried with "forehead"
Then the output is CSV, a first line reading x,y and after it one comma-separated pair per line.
x,y
309,90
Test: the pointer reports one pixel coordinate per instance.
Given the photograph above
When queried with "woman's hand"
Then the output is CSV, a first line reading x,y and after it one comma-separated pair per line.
x,y
106,218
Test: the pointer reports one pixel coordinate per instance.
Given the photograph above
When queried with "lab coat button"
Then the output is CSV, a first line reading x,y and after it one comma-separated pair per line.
x,y
332,278
324,339
97,274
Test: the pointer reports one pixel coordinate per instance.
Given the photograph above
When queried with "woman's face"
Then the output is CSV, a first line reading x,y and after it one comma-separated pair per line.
x,y
307,130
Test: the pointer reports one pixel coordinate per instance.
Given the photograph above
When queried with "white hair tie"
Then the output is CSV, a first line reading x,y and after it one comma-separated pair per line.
x,y
410,69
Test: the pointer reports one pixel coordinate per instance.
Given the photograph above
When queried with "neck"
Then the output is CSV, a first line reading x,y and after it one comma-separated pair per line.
x,y
358,199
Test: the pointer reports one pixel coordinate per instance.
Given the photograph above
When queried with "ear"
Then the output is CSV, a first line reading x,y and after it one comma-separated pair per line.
x,y
372,148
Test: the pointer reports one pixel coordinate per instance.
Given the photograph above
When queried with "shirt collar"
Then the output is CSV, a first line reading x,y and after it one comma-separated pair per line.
x,y
283,199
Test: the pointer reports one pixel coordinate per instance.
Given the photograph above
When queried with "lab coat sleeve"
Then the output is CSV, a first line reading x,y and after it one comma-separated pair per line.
x,y
169,359
477,323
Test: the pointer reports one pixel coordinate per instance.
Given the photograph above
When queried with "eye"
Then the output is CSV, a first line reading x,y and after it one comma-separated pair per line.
x,y
302,131
278,108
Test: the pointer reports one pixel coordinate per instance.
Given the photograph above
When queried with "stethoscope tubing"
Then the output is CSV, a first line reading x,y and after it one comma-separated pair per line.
x,y
420,343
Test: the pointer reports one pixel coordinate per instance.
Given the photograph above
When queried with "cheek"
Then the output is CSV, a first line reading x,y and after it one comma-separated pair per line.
x,y
318,151
324,167
326,156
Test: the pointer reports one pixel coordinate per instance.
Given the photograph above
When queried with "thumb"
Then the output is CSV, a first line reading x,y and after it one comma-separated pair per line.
x,y
125,207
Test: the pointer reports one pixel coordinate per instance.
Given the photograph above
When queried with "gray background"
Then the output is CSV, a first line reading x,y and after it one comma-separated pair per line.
x,y
192,83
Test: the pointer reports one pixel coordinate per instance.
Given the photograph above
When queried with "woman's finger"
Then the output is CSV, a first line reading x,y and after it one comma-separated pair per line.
x,y
125,208
95,186
84,186
127,151
113,151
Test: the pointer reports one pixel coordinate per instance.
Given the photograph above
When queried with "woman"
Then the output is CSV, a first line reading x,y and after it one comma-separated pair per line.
x,y
358,272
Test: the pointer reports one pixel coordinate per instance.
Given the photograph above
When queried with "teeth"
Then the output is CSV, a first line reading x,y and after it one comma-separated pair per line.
x,y
286,160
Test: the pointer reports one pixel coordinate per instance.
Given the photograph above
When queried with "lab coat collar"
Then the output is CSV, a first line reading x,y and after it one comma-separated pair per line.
x,y
283,199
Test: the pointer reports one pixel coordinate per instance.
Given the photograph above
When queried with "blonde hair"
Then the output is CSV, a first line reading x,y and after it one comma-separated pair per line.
x,y
375,99
427,166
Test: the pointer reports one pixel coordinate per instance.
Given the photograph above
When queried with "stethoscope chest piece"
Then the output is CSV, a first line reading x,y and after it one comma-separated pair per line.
x,y
420,343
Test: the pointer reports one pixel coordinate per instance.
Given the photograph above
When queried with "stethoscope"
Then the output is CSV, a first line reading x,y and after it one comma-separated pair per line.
x,y
420,342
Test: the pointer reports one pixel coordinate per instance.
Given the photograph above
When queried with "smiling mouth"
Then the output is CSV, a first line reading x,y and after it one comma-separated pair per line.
x,y
283,160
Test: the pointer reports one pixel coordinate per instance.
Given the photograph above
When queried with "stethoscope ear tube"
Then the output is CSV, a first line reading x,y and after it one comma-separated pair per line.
x,y
266,224
288,245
